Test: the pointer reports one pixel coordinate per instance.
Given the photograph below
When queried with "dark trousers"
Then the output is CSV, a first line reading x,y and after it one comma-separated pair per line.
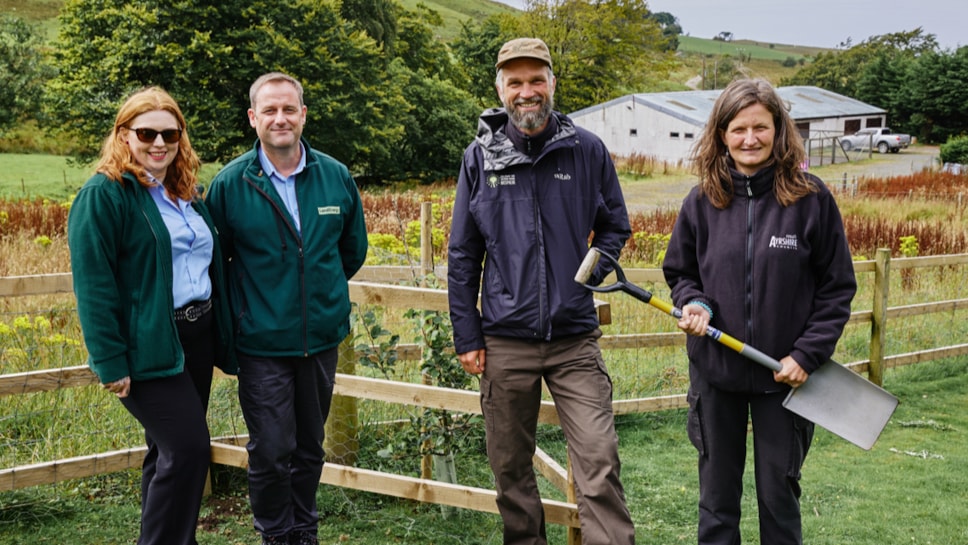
x,y
285,402
575,374
718,425
172,411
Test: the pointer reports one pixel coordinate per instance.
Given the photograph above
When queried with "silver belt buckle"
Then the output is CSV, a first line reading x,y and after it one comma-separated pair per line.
x,y
192,313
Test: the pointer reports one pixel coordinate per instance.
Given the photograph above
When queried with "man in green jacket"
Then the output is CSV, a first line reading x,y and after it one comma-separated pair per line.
x,y
291,224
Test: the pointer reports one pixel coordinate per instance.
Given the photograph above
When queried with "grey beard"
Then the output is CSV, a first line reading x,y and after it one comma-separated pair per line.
x,y
530,121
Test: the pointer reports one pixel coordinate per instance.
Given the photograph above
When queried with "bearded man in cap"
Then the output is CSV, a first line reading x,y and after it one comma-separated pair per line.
x,y
532,191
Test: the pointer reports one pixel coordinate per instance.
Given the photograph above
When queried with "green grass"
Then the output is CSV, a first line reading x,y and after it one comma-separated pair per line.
x,y
738,48
456,12
31,176
53,177
910,488
759,59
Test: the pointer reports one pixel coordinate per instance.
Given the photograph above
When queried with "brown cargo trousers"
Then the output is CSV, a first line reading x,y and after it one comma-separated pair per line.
x,y
575,374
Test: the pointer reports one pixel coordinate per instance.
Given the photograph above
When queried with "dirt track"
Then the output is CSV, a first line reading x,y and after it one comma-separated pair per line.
x,y
647,195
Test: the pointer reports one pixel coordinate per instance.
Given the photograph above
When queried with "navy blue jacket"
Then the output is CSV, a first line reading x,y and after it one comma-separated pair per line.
x,y
778,278
526,222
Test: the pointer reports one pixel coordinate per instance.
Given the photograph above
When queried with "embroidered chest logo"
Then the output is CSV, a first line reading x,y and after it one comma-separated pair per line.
x,y
327,210
494,180
564,176
787,242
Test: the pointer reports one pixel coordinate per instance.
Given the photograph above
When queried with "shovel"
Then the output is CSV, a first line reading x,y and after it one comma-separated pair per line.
x,y
834,397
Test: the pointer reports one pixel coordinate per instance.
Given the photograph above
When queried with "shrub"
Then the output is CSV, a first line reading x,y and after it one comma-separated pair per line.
x,y
955,150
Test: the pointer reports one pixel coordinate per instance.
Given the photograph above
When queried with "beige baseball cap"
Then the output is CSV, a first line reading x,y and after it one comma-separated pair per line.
x,y
523,48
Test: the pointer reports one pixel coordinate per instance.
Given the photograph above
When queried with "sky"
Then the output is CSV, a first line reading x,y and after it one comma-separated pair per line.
x,y
817,23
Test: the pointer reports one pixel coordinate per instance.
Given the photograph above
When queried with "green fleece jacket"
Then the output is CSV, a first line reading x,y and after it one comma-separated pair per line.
x,y
289,292
122,271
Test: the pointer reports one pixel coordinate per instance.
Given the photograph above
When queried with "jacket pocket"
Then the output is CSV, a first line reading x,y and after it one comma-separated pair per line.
x,y
801,438
694,427
486,403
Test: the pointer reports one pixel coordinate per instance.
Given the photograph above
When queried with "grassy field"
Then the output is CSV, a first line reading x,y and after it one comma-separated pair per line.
x,y
54,177
456,12
910,488
850,495
755,59
31,176
752,48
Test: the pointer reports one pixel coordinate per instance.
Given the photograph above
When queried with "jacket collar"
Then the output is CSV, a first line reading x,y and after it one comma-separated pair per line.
x,y
759,183
498,147
256,163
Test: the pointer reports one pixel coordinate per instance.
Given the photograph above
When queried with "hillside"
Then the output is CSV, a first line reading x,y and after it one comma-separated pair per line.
x,y
455,12
770,61
757,59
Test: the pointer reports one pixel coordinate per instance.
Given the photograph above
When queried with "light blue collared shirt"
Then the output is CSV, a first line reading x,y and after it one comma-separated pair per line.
x,y
286,187
192,246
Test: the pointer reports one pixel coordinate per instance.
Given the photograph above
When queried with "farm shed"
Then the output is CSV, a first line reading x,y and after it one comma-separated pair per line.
x,y
666,125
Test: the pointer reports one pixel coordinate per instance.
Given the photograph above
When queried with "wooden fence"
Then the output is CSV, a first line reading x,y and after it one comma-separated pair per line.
x,y
363,290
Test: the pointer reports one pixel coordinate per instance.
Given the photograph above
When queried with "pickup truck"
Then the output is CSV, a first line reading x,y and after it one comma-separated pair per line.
x,y
880,138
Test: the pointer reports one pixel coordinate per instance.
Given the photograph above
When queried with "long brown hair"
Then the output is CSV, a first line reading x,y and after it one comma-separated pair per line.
x,y
181,180
709,157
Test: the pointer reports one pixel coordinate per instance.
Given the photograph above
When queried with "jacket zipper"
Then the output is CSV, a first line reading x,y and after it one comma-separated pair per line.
x,y
154,233
301,260
543,331
749,269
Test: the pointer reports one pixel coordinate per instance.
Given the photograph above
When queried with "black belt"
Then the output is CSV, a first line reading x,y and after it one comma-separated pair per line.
x,y
192,311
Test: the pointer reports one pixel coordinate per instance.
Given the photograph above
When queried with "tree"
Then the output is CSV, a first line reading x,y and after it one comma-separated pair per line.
x,y
476,49
841,71
440,120
671,28
602,49
906,74
419,47
933,96
207,53
378,18
880,82
439,126
22,71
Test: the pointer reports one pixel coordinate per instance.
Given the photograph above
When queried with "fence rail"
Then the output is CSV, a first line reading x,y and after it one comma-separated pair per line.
x,y
366,290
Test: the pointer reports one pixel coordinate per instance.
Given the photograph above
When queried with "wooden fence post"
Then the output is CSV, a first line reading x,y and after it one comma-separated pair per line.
x,y
882,285
573,534
426,238
342,440
426,267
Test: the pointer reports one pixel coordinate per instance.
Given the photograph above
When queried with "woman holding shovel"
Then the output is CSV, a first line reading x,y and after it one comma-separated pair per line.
x,y
758,251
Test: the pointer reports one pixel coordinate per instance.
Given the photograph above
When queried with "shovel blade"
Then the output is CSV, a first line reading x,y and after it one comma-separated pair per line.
x,y
843,402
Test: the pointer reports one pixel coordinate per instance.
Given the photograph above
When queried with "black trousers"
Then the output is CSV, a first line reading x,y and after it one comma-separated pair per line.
x,y
172,411
285,402
718,426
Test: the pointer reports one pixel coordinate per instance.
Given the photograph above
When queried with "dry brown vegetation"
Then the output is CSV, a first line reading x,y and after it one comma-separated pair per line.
x,y
927,205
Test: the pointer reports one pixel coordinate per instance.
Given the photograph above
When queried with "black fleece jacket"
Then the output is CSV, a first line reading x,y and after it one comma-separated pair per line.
x,y
778,278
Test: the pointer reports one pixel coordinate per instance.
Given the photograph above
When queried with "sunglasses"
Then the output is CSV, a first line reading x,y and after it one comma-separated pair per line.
x,y
148,136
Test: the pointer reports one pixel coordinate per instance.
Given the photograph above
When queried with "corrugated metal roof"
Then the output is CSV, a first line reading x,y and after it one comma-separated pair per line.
x,y
806,103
